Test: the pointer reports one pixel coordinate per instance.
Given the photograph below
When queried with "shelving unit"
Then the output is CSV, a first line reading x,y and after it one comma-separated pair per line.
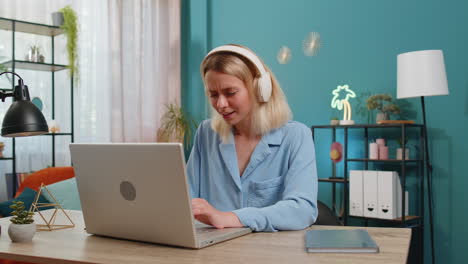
x,y
414,221
14,64
403,164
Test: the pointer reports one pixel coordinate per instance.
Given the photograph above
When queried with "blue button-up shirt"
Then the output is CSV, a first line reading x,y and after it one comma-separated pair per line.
x,y
278,189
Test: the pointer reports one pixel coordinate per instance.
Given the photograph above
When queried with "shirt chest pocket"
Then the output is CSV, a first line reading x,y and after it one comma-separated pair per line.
x,y
265,193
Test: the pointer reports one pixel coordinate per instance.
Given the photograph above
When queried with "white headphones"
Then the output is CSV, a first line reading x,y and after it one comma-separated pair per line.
x,y
264,81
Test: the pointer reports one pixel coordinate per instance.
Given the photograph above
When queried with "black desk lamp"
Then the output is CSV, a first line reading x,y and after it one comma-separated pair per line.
x,y
23,118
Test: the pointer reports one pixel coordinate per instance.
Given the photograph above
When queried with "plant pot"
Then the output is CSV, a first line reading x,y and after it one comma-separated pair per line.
x,y
21,233
381,116
57,19
399,154
334,122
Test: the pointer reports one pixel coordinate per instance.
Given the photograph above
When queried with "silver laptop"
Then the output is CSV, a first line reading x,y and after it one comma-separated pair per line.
x,y
139,191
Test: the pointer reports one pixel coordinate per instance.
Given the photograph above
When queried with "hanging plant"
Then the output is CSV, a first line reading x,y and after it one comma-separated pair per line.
x,y
70,28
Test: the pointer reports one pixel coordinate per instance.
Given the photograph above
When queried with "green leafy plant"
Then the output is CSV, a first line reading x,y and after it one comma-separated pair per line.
x,y
383,103
334,118
176,125
20,216
70,27
400,142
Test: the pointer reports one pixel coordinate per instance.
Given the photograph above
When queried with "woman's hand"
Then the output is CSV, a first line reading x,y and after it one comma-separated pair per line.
x,y
207,214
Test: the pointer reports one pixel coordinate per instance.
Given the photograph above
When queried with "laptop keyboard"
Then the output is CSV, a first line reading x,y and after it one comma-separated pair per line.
x,y
202,228
205,230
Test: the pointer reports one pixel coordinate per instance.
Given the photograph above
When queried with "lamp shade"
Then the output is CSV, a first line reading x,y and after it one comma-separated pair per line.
x,y
23,119
421,73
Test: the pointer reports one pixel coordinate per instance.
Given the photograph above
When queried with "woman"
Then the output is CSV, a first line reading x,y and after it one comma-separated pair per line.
x,y
250,165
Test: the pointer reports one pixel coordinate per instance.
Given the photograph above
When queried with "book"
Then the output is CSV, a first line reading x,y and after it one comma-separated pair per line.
x,y
340,241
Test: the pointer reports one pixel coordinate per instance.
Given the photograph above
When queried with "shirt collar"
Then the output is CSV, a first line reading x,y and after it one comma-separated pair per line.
x,y
274,137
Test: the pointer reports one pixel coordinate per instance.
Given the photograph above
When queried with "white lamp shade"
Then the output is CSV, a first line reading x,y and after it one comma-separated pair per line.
x,y
421,73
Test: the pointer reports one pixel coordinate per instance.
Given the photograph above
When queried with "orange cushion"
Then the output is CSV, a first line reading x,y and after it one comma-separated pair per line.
x,y
46,176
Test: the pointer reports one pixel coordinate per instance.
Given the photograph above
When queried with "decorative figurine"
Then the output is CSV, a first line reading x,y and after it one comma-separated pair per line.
x,y
343,103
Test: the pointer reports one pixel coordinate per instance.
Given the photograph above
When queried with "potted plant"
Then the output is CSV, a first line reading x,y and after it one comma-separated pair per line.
x,y
22,227
399,151
176,126
382,102
34,53
334,121
70,28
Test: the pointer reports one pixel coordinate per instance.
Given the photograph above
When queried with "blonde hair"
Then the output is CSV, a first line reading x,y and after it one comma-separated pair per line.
x,y
266,116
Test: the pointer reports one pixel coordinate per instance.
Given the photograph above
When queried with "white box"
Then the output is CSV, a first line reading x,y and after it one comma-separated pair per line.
x,y
390,195
370,186
356,198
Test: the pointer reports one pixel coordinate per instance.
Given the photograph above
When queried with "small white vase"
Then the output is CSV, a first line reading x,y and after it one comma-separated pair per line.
x,y
21,233
399,154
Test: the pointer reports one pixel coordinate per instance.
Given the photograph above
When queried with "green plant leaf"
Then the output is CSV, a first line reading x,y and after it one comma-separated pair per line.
x,y
176,122
20,215
70,28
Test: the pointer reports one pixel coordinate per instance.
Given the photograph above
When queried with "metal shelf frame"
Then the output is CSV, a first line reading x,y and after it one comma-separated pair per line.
x,y
419,162
48,31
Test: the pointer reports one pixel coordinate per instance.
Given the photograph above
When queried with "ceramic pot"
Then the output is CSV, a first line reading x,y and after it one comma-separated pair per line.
x,y
21,233
334,122
57,19
399,154
381,116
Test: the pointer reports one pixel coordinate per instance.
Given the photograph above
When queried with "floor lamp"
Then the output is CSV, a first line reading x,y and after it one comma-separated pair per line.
x,y
421,74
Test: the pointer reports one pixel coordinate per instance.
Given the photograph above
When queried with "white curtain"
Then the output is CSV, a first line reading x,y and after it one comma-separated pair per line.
x,y
145,45
129,55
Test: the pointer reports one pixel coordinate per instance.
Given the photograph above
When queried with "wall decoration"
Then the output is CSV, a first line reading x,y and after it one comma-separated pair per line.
x,y
284,55
336,152
341,95
312,44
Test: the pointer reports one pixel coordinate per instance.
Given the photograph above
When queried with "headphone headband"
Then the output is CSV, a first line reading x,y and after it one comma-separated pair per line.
x,y
241,51
264,81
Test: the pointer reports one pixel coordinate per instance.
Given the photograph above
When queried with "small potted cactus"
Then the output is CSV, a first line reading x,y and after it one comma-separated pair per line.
x,y
22,227
334,121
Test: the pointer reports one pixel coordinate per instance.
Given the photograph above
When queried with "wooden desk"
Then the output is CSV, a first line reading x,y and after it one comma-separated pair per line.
x,y
76,246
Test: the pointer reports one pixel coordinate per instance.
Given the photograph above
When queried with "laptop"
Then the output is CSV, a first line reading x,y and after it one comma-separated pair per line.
x,y
139,191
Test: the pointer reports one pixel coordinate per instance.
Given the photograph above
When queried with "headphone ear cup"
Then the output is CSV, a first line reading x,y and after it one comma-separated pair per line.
x,y
264,87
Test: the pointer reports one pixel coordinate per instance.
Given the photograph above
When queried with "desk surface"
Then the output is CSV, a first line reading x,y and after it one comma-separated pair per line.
x,y
76,246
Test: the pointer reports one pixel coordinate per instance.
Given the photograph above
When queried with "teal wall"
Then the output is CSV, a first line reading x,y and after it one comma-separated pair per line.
x,y
360,42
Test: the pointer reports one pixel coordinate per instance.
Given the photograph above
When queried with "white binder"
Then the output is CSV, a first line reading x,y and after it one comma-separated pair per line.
x,y
390,195
356,197
370,183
